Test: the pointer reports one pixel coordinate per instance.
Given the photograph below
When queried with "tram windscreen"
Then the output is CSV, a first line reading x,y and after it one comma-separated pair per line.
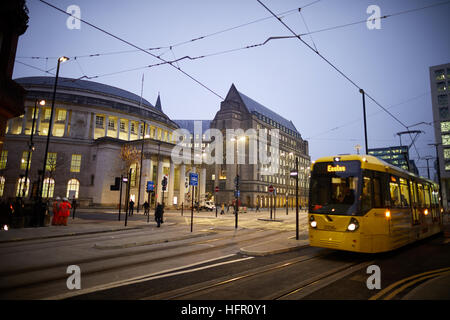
x,y
334,188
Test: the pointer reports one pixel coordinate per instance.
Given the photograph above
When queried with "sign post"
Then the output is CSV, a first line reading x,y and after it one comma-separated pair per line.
x,y
193,181
216,189
270,190
150,189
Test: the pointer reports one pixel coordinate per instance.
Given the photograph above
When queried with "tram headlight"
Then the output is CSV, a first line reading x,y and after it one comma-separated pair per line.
x,y
353,225
312,222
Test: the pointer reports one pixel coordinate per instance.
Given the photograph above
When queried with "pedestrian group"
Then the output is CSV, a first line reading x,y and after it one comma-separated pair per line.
x,y
61,211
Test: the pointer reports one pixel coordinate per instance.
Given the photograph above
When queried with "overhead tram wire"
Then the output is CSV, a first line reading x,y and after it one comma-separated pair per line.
x,y
135,46
338,70
93,55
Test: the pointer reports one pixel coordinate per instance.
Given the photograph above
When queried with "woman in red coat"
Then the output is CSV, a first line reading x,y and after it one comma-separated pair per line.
x,y
56,213
65,211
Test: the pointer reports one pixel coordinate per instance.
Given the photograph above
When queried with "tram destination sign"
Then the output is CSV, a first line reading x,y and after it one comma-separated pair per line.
x,y
338,167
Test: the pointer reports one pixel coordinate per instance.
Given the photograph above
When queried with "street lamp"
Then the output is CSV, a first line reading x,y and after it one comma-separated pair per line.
x,y
294,173
40,189
31,145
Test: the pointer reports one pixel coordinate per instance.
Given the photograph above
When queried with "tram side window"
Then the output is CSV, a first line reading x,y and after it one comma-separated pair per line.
x,y
377,193
366,200
404,193
427,196
421,202
395,192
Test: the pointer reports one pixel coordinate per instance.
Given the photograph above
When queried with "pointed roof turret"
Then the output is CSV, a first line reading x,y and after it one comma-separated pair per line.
x,y
158,103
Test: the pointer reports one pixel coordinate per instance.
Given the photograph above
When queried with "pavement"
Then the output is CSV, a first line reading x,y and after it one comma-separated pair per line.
x,y
92,221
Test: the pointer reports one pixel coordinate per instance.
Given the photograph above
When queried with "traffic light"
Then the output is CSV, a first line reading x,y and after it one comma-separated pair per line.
x,y
236,182
164,183
116,185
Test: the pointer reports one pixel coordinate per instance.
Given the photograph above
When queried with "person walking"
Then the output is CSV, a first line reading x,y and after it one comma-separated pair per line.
x,y
74,206
159,214
146,208
56,213
65,211
131,207
222,209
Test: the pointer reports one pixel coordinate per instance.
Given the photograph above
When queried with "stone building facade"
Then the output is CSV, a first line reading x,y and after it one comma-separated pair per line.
x,y
91,123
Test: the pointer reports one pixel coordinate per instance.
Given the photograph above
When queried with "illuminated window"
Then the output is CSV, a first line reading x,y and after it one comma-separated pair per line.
x,y
133,168
122,126
3,159
48,188
439,74
447,166
75,164
51,161
111,124
61,115
446,139
23,161
47,113
445,126
441,87
159,134
21,187
446,153
73,186
2,185
99,121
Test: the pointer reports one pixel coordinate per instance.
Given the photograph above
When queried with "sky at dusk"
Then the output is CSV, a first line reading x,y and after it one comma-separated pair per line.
x,y
391,64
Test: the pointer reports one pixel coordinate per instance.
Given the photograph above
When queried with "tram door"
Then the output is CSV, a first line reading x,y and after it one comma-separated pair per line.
x,y
414,203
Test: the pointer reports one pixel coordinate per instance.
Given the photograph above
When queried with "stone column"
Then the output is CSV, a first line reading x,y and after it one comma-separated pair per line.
x,y
93,125
182,179
88,124
118,128
146,166
159,177
24,121
171,184
129,129
106,125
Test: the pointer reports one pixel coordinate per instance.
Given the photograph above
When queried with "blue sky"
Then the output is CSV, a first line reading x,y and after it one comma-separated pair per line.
x,y
391,64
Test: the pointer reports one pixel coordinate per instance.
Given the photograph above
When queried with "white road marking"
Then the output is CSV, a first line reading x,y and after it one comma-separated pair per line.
x,y
152,276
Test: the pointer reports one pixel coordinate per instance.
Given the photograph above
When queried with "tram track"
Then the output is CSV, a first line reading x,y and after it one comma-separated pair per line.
x,y
95,265
295,291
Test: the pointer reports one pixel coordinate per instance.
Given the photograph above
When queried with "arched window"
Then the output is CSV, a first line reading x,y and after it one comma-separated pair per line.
x,y
73,186
48,188
21,186
2,185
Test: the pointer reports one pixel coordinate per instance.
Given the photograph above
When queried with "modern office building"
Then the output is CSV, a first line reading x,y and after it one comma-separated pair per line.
x,y
397,156
440,86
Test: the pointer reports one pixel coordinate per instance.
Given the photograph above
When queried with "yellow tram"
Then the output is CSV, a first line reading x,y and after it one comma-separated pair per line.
x,y
361,203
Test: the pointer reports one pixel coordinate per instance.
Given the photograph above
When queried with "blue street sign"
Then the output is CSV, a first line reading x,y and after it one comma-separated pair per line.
x,y
193,179
150,186
237,193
